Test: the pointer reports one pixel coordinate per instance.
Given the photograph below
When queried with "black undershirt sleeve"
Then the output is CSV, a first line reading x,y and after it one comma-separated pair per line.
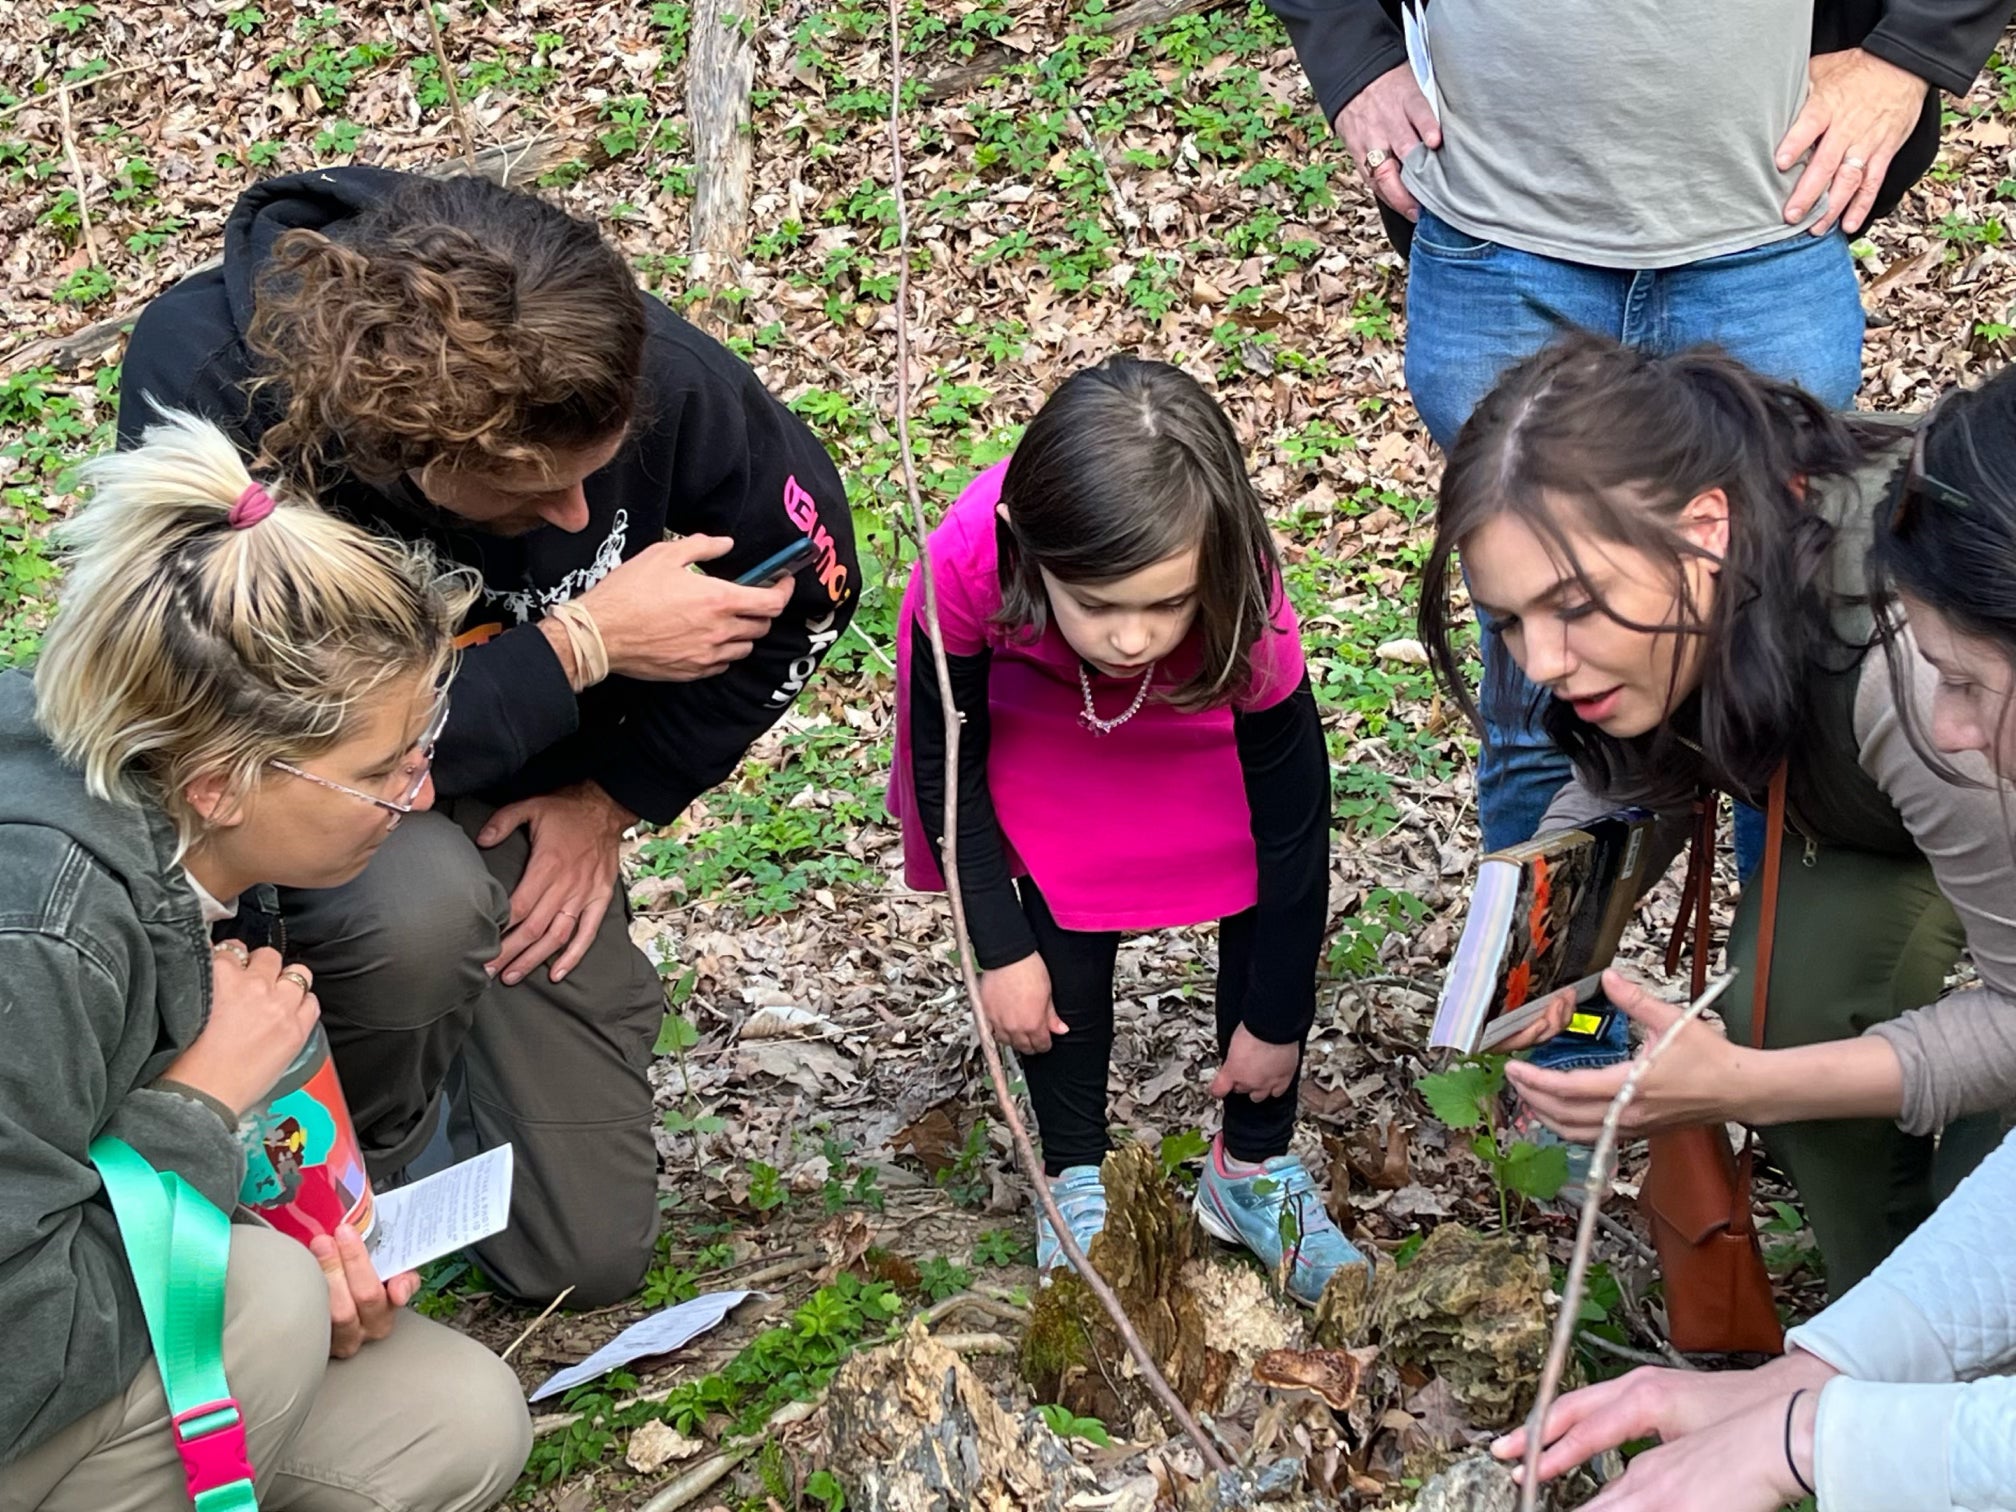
x,y
1001,934
1287,776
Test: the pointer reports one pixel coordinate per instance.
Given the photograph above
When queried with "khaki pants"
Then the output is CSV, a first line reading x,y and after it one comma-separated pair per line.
x,y
424,1421
557,1071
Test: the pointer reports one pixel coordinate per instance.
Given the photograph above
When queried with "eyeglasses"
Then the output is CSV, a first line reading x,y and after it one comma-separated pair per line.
x,y
1918,486
404,804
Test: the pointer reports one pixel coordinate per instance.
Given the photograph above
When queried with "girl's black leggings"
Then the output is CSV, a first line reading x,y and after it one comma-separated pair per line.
x,y
1067,1083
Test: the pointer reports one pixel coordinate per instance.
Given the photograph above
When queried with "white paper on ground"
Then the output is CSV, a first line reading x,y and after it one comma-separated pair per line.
x,y
658,1334
439,1214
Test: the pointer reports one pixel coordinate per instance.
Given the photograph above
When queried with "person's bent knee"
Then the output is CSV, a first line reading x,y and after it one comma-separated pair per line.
x,y
482,1433
276,1328
409,937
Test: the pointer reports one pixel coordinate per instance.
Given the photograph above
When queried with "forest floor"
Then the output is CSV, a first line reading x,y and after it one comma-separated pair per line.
x,y
1072,193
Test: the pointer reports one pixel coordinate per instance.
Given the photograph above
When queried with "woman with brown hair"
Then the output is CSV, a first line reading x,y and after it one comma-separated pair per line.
x,y
446,361
1896,1398
1675,552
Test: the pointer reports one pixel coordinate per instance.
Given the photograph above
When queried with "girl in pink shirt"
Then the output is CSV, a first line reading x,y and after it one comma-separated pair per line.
x,y
1140,750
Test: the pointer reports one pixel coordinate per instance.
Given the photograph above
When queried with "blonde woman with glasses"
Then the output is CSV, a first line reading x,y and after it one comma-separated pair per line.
x,y
237,691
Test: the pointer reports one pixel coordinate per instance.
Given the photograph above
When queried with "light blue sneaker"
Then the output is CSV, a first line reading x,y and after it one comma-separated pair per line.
x,y
1081,1198
1247,1210
1524,1124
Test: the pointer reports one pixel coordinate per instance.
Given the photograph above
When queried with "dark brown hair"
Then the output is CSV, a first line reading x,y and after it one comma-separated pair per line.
x,y
1948,538
455,325
1593,435
1127,464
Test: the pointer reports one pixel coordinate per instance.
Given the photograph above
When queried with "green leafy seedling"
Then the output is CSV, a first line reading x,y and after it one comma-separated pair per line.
x,y
1179,1149
996,1247
1465,1097
1065,1423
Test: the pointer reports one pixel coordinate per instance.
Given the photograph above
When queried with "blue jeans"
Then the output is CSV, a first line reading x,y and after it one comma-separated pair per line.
x,y
1791,310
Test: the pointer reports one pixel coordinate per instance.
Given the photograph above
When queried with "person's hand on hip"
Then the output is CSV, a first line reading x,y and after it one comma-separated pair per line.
x,y
1385,121
1857,114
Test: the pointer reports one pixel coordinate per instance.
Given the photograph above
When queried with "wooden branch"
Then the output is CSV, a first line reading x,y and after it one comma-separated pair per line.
x,y
712,1471
527,157
719,72
28,101
1602,1170
83,188
1142,14
1025,1151
533,1327
951,82
448,83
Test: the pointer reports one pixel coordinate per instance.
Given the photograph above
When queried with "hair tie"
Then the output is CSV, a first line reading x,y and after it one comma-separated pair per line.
x,y
253,505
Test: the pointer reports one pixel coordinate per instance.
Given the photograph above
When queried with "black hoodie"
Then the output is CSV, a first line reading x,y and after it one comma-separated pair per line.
x,y
712,452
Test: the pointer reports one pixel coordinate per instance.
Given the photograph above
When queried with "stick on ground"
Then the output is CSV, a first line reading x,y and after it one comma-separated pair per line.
x,y
1025,1151
448,82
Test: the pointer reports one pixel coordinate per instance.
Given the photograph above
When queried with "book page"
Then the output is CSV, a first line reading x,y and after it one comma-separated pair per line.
x,y
439,1214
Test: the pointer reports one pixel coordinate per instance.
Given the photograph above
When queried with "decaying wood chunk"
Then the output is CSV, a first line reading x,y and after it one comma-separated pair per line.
x,y
910,1429
1475,1483
1469,1308
1204,1320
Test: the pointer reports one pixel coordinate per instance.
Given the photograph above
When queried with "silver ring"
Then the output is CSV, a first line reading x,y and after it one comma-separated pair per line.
x,y
234,949
566,915
1377,158
1854,162
295,975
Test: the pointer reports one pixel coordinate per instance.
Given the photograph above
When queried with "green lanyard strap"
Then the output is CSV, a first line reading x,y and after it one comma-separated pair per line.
x,y
179,1246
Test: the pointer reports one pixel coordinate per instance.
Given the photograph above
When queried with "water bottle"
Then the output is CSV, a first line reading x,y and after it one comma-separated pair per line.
x,y
304,1170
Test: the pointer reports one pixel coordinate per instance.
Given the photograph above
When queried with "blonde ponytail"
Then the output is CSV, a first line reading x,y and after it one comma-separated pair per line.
x,y
208,628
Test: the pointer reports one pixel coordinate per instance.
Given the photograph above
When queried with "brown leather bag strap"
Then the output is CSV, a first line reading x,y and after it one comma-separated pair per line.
x,y
1697,891
1767,922
1740,1219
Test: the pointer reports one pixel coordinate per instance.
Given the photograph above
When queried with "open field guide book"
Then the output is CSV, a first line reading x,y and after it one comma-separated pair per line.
x,y
1545,915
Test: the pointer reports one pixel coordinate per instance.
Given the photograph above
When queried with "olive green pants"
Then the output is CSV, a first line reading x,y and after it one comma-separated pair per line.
x,y
1861,938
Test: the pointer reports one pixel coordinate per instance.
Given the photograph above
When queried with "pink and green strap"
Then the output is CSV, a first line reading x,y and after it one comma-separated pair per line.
x,y
179,1247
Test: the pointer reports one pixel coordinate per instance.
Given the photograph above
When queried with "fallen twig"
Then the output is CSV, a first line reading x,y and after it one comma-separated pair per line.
x,y
77,175
1025,1151
1622,1351
1623,1235
1008,1312
527,1331
977,1343
712,1471
448,82
75,84
1130,223
1602,1168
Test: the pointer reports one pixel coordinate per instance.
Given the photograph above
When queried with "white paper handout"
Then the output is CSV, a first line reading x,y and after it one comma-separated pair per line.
x,y
1415,31
439,1214
658,1334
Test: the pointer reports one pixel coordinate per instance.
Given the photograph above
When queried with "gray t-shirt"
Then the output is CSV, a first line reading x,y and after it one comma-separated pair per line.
x,y
1617,133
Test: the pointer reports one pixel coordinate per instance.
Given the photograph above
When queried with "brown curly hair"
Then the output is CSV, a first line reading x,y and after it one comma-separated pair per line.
x,y
456,325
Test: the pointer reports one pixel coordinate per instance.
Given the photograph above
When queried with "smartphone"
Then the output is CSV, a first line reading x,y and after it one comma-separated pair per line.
x,y
774,569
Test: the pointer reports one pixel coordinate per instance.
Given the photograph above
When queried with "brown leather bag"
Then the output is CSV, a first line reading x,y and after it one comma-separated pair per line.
x,y
1696,1194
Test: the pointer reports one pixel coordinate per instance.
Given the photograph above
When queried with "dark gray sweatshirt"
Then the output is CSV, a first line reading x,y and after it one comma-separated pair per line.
x,y
104,980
